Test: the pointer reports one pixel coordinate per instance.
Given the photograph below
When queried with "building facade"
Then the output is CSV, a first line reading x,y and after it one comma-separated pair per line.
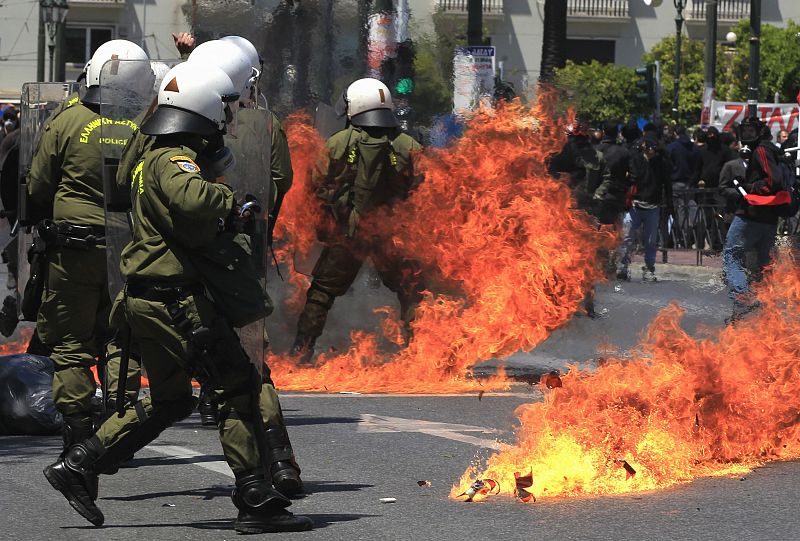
x,y
616,31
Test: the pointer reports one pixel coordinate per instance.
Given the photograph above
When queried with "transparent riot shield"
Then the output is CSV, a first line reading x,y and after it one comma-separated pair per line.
x,y
126,94
39,103
251,177
327,121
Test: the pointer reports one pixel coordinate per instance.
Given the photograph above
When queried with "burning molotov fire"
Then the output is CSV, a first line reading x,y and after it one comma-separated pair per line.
x,y
680,408
506,257
12,347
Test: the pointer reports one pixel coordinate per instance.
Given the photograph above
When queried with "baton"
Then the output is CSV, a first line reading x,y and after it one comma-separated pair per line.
x,y
122,377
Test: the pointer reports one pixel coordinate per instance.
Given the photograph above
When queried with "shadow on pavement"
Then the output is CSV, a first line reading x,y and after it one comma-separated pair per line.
x,y
300,421
206,493
320,521
167,461
314,487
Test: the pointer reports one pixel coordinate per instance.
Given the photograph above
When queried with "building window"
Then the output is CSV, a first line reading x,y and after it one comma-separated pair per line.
x,y
583,51
82,41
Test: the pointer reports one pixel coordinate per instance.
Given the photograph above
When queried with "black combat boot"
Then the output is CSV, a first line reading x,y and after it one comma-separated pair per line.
x,y
208,409
74,477
303,349
74,429
8,316
283,468
263,510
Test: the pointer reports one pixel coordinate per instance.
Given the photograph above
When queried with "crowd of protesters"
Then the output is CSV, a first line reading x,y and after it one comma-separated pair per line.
x,y
694,191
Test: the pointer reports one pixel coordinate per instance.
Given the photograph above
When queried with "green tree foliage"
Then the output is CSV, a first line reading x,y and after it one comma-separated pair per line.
x,y
690,98
780,64
599,91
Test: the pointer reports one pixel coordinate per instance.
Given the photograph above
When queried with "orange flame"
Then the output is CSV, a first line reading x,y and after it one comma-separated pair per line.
x,y
17,346
491,224
681,408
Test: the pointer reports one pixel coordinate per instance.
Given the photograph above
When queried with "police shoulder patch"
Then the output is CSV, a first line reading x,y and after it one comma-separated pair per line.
x,y
185,163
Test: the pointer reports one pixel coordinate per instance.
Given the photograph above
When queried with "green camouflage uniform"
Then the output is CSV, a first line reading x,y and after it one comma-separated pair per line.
x,y
177,211
66,181
350,194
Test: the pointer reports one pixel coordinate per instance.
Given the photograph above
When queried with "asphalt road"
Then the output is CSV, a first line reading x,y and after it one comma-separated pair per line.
x,y
356,449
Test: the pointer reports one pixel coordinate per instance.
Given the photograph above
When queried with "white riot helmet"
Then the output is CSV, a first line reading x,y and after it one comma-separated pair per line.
x,y
132,73
192,99
160,70
249,51
226,56
368,102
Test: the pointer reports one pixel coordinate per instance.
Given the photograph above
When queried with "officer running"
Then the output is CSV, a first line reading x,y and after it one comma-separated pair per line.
x,y
182,219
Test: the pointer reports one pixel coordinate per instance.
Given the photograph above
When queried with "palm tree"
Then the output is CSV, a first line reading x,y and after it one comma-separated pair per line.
x,y
554,39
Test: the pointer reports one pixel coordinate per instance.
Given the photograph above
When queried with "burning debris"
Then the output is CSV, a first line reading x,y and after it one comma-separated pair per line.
x,y
629,471
480,488
522,483
488,226
648,408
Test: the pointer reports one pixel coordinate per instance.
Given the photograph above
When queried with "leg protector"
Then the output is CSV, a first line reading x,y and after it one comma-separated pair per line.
x,y
162,415
283,467
303,349
208,408
76,428
262,509
74,476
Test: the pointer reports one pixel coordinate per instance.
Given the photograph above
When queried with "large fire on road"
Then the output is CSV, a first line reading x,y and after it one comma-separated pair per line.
x,y
489,222
679,408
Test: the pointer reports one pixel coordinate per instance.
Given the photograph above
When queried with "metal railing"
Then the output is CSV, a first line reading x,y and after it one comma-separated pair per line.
x,y
604,9
701,222
459,7
727,10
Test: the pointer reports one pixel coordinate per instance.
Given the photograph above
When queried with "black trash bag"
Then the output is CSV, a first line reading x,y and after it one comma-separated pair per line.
x,y
26,396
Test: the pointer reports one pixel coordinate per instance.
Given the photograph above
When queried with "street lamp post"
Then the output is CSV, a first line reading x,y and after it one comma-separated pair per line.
x,y
54,13
680,5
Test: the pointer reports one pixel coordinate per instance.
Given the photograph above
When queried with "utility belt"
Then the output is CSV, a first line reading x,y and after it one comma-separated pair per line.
x,y
74,236
166,292
216,347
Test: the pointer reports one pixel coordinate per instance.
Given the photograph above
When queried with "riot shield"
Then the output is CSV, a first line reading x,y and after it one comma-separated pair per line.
x,y
126,94
327,122
39,103
251,176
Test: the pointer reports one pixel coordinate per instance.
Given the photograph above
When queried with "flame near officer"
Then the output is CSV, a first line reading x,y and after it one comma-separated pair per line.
x,y
370,165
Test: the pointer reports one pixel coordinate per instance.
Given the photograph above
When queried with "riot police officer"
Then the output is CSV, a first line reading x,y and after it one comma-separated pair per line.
x,y
65,187
184,222
371,165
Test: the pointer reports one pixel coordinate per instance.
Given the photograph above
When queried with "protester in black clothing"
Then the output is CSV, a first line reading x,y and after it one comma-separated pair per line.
x,y
610,196
710,160
754,226
652,188
631,133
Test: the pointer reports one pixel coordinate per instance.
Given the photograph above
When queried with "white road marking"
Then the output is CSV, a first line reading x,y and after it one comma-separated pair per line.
x,y
173,451
367,423
450,431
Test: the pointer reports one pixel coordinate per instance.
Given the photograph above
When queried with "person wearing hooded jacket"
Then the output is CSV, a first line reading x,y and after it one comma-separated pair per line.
x,y
652,189
754,226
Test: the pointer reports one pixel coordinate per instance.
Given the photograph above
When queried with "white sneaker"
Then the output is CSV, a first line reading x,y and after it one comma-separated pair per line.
x,y
648,275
